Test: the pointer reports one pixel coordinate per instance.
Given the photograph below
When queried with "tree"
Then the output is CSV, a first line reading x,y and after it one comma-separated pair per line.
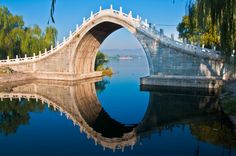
x,y
189,31
17,39
51,36
15,113
184,28
101,59
222,16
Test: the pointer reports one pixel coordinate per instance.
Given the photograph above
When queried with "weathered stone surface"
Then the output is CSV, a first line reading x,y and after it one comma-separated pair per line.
x,y
74,58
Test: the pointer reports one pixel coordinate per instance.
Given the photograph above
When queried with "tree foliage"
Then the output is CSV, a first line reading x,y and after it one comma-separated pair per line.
x,y
214,20
15,113
17,39
207,36
101,59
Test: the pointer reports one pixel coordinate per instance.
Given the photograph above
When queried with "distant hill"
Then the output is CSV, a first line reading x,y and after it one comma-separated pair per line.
x,y
124,52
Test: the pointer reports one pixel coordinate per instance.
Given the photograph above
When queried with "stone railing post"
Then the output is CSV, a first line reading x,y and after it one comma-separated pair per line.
x,y
130,14
203,46
161,32
45,50
91,14
172,37
111,8
70,33
25,55
57,43
64,39
100,8
121,10
51,48
84,20
40,53
34,55
8,58
138,19
16,57
77,27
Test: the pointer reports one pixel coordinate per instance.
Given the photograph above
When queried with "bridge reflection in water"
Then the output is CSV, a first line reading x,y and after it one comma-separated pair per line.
x,y
198,109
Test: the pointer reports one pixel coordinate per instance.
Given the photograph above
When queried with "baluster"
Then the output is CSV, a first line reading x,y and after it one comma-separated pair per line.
x,y
70,33
111,8
77,27
137,17
100,8
130,14
121,10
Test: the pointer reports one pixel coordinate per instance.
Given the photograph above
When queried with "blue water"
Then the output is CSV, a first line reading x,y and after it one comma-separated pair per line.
x,y
167,122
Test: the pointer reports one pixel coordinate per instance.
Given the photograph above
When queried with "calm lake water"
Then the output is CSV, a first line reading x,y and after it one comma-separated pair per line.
x,y
115,116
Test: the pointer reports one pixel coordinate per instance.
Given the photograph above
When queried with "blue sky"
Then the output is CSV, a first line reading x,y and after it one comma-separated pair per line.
x,y
70,12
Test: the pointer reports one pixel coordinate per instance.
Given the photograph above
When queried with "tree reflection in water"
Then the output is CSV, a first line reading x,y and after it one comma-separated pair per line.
x,y
101,85
196,110
200,110
15,113
215,131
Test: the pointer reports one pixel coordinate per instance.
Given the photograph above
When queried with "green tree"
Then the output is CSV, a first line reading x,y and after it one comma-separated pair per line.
x,y
17,39
222,17
190,31
50,37
101,59
15,113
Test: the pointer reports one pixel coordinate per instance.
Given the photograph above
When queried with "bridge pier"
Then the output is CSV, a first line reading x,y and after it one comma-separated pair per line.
x,y
182,81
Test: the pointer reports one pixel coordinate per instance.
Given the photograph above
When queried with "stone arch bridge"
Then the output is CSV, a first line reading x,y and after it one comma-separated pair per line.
x,y
74,58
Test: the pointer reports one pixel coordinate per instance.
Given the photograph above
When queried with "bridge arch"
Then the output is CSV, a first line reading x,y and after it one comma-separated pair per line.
x,y
93,35
171,63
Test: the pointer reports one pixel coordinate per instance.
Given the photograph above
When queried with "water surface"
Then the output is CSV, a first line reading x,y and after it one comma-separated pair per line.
x,y
115,116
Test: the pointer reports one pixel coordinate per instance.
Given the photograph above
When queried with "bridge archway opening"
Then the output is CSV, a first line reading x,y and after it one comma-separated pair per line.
x,y
85,62
91,41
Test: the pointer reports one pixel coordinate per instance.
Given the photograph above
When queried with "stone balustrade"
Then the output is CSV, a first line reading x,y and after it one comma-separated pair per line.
x,y
138,23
